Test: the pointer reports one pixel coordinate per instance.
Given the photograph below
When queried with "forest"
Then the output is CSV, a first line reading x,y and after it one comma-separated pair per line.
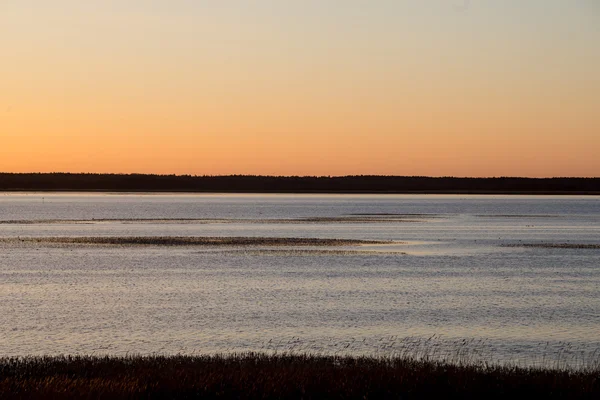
x,y
294,184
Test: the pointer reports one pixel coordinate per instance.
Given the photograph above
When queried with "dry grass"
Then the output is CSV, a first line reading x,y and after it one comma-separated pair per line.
x,y
557,246
366,218
189,241
281,376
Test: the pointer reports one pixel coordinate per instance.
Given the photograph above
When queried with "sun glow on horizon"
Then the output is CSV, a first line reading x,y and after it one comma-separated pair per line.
x,y
501,88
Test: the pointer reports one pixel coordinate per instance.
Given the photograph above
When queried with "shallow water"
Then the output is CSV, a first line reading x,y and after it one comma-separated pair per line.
x,y
484,269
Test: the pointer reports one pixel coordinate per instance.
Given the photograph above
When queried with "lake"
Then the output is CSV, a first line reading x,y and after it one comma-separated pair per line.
x,y
494,278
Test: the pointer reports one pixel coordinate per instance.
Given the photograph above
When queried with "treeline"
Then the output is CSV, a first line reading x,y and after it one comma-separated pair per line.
x,y
293,184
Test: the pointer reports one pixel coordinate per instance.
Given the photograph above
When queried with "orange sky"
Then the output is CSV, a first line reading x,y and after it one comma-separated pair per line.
x,y
404,89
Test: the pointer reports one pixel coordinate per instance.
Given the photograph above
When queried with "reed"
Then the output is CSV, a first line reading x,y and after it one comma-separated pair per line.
x,y
188,241
283,375
585,246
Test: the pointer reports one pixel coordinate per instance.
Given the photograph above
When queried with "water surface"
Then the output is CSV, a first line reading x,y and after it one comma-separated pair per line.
x,y
453,268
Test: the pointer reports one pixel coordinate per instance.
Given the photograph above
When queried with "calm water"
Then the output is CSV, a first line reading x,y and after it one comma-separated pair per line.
x,y
453,274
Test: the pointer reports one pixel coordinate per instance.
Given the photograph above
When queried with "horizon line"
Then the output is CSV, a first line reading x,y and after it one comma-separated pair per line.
x,y
295,176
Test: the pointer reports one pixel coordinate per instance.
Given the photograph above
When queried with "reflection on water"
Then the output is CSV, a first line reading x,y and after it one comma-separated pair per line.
x,y
516,277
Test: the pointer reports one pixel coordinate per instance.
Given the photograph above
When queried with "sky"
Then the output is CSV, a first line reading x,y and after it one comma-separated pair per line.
x,y
312,87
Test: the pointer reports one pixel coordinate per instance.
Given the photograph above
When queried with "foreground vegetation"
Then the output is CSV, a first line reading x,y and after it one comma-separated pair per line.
x,y
281,376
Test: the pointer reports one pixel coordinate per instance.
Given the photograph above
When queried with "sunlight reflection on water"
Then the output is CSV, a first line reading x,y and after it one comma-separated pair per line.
x,y
451,277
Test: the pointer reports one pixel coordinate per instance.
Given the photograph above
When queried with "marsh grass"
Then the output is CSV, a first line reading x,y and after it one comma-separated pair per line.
x,y
189,241
470,352
358,218
282,375
584,246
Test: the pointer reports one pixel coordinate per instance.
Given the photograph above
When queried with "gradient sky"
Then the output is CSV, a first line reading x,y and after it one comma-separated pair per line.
x,y
312,87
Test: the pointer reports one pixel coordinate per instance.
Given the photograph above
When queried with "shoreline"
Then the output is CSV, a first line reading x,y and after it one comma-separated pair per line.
x,y
306,192
350,184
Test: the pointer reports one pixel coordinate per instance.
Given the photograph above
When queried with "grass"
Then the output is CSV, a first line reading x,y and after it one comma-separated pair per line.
x,y
557,245
190,241
254,375
358,218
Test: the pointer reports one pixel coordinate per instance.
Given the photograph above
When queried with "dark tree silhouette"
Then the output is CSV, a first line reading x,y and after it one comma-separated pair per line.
x,y
294,184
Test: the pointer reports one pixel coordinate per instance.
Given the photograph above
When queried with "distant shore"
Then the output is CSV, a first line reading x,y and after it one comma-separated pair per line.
x,y
362,184
282,376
